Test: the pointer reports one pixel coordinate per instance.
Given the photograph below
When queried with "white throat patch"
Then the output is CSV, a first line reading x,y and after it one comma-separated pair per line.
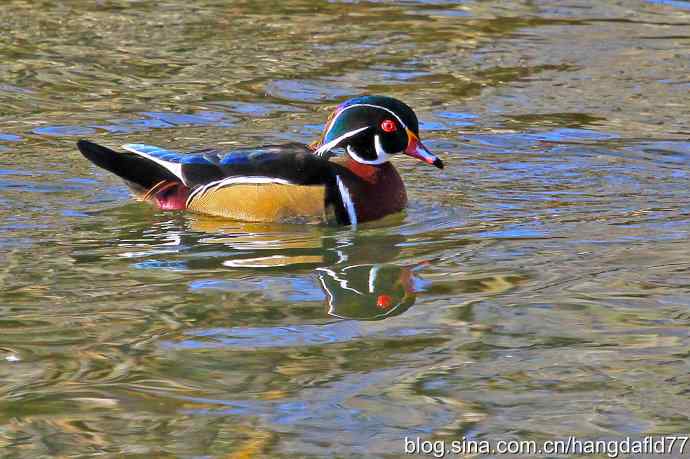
x,y
381,155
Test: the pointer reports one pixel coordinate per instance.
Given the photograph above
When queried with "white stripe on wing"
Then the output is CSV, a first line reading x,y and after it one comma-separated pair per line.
x,y
175,168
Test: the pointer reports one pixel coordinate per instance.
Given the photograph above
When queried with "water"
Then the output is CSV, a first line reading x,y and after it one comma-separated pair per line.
x,y
536,288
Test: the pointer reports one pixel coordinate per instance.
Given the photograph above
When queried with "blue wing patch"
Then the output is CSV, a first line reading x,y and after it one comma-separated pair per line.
x,y
224,158
233,158
201,166
212,157
239,157
195,159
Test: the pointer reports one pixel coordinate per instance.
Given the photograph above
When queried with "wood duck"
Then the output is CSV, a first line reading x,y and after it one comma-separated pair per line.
x,y
290,183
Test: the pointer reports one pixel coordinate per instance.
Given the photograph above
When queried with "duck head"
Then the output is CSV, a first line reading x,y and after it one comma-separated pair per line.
x,y
371,129
368,292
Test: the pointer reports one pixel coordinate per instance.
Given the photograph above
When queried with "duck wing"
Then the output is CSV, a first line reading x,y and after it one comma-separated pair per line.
x,y
274,183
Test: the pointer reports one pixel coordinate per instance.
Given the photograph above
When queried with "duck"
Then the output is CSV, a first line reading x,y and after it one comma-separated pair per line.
x,y
285,183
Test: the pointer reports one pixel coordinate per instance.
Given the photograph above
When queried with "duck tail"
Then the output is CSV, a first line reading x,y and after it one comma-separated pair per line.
x,y
147,179
134,169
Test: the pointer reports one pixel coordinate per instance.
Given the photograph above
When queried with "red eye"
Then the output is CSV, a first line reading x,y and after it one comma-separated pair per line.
x,y
389,126
383,302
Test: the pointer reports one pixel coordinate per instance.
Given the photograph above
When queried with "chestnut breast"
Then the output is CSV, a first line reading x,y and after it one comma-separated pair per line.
x,y
375,190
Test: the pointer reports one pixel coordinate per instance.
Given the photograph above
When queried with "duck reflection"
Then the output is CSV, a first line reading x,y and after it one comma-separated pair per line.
x,y
357,275
368,292
352,269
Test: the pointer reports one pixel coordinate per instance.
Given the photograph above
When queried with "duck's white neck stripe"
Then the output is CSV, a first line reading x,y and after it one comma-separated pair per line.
x,y
381,155
347,201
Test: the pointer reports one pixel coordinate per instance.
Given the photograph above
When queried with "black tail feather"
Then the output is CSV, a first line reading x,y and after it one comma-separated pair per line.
x,y
134,169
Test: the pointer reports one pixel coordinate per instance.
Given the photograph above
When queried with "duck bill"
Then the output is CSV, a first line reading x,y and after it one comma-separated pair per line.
x,y
416,149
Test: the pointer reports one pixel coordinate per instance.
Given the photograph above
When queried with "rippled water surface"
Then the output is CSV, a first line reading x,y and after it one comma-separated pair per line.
x,y
538,287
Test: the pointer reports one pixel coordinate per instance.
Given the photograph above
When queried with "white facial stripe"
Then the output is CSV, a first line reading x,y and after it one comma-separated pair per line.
x,y
347,201
234,181
332,122
333,143
382,155
366,105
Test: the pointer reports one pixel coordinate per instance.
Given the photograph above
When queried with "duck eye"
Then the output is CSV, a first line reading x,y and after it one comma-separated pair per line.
x,y
389,126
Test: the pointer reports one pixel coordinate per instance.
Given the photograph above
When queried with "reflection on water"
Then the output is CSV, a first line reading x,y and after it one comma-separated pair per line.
x,y
351,291
368,292
535,289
